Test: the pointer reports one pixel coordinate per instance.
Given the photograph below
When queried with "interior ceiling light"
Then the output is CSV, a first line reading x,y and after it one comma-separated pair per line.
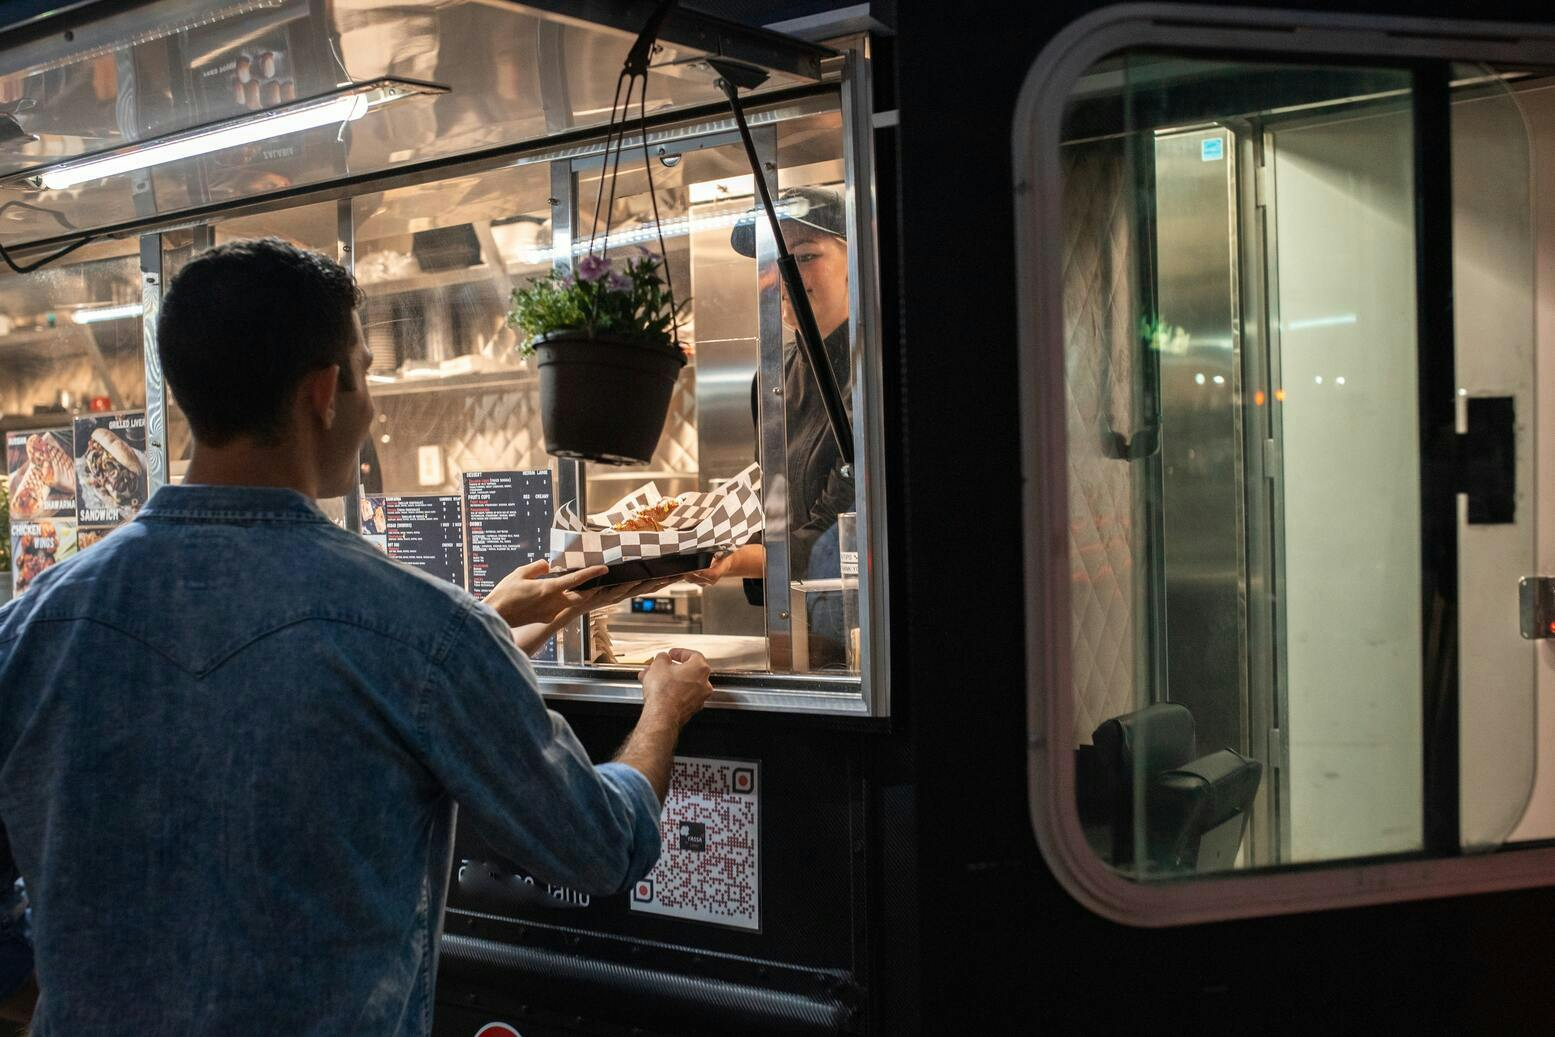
x,y
103,313
669,227
334,108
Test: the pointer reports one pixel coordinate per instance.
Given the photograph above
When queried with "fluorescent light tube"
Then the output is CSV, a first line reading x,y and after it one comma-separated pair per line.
x,y
337,108
672,227
103,313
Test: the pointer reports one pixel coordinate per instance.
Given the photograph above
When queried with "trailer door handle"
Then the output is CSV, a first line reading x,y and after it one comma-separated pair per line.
x,y
1486,460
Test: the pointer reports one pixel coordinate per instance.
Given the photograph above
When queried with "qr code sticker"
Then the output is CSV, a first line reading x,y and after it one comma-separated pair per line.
x,y
709,870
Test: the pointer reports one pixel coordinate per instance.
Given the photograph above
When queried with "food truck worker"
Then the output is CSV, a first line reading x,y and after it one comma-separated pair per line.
x,y
814,228
232,734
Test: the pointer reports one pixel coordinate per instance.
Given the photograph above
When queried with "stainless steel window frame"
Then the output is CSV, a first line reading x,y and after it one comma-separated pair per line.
x,y
156,387
1036,129
858,105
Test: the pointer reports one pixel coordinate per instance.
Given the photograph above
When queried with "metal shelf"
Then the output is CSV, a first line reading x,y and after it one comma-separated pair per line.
x,y
479,382
421,282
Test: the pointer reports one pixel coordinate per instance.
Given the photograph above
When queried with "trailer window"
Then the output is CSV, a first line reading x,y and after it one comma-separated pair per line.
x,y
70,348
457,400
1298,410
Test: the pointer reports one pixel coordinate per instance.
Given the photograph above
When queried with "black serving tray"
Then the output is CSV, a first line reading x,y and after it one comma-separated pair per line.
x,y
649,569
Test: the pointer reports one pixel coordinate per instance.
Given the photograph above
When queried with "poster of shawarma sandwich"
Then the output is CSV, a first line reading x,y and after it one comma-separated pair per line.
x,y
110,472
41,474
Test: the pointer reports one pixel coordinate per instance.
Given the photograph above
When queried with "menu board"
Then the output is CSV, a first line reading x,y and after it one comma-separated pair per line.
x,y
423,530
110,472
507,524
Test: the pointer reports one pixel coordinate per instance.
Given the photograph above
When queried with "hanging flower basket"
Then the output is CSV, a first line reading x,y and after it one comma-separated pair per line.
x,y
604,397
607,335
604,340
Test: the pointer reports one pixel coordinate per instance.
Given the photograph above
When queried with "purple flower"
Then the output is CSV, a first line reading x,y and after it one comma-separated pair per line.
x,y
618,283
593,268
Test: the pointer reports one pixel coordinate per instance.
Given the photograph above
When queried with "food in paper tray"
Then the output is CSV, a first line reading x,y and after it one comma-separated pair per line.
x,y
646,534
649,517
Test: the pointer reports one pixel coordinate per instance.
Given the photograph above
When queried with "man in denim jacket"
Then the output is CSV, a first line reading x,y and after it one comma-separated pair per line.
x,y
232,734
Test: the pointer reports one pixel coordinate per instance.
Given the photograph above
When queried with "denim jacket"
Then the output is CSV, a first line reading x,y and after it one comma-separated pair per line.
x,y
231,740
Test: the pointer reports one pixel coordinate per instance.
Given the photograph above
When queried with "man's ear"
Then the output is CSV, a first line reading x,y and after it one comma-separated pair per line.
x,y
318,390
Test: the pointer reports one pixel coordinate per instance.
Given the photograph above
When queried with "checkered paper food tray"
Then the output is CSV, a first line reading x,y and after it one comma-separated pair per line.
x,y
719,520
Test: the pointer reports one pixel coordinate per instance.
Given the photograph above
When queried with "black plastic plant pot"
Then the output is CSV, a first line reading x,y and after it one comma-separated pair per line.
x,y
604,397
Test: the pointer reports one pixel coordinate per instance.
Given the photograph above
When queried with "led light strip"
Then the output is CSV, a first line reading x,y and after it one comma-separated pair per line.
x,y
674,227
103,313
337,108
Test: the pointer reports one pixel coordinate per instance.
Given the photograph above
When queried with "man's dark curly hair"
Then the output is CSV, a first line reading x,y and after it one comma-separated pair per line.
x,y
242,325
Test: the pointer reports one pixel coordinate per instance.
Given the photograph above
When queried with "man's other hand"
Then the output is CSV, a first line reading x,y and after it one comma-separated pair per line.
x,y
676,685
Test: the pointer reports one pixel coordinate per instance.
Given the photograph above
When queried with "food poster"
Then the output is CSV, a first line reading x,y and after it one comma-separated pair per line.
x,y
38,545
110,472
375,521
40,474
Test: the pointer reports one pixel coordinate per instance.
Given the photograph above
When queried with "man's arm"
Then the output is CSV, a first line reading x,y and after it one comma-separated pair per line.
x,y
675,687
533,636
521,777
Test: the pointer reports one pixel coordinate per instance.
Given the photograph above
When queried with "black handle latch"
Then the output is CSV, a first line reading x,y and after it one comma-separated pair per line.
x,y
1487,460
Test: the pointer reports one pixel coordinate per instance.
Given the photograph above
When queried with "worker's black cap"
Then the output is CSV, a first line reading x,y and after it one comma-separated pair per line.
x,y
818,207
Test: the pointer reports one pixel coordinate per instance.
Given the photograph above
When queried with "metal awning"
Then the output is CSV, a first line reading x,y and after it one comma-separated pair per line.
x,y
94,77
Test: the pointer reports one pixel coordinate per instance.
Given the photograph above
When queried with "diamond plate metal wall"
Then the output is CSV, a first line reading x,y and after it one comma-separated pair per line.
x,y
1101,319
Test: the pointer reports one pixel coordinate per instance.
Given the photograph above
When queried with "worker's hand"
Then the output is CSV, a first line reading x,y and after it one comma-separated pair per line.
x,y
748,562
675,685
525,596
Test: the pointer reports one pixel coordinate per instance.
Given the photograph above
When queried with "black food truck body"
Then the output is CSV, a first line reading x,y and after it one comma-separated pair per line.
x,y
1170,655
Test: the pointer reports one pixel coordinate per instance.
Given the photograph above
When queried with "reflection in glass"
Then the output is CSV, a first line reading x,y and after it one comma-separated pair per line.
x,y
1245,461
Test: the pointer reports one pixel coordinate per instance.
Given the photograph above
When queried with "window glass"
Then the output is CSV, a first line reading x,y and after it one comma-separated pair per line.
x,y
1263,610
70,364
438,263
70,333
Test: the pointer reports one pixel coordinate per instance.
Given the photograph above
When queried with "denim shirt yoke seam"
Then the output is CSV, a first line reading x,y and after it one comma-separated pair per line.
x,y
315,615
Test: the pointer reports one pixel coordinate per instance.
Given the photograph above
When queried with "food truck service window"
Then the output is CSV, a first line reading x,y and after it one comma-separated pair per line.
x,y
456,479
458,433
462,169
1281,410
